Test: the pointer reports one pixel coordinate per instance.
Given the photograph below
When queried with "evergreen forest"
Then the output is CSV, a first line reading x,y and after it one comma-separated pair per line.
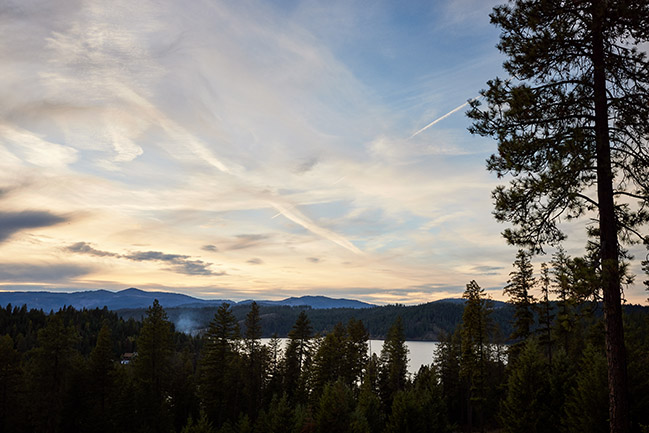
x,y
94,371
426,322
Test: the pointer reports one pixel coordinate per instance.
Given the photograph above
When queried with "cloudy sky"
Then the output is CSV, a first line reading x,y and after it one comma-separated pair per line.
x,y
248,149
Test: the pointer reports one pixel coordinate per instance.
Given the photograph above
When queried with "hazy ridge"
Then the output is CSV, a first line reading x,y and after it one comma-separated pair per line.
x,y
136,298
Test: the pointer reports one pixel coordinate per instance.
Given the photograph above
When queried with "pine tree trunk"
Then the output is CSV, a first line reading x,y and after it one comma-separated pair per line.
x,y
615,350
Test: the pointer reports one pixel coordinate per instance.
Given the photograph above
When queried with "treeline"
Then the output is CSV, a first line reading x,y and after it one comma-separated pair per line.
x,y
65,372
552,377
420,322
52,380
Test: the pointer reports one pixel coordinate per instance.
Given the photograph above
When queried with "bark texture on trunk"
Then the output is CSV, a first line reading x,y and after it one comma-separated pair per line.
x,y
610,278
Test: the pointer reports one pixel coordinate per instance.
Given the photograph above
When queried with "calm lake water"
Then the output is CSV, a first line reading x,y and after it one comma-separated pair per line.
x,y
420,352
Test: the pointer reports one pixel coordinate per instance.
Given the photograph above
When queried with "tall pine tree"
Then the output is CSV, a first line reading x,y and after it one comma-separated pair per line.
x,y
518,289
101,370
546,315
356,352
256,360
571,125
475,336
297,359
393,368
330,360
218,386
153,369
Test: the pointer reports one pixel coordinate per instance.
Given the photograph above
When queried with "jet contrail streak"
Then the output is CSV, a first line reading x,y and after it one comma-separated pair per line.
x,y
199,148
290,212
455,110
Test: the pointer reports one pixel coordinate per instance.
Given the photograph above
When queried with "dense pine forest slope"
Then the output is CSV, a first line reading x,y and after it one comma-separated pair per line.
x,y
421,322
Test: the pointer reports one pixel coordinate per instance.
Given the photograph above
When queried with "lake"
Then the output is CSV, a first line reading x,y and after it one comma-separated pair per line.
x,y
419,352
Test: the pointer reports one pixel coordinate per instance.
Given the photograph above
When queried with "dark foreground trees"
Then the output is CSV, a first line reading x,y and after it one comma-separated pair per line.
x,y
153,369
72,380
527,408
50,371
219,389
393,363
480,366
571,125
519,289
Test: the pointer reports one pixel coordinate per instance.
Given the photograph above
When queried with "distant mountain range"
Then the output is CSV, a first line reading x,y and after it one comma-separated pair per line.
x,y
135,298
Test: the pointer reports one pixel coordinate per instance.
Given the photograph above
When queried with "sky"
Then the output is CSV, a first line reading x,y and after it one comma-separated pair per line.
x,y
249,149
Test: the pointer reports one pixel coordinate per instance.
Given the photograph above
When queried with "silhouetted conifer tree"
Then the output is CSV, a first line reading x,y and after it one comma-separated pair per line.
x,y
475,333
526,408
586,407
370,416
545,312
256,358
334,413
519,289
566,314
49,370
297,359
330,360
153,370
218,383
101,375
448,356
571,126
356,350
203,425
274,368
393,367
278,417
420,407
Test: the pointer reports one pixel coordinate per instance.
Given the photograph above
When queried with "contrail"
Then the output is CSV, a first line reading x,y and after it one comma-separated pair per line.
x,y
174,130
455,110
197,146
290,212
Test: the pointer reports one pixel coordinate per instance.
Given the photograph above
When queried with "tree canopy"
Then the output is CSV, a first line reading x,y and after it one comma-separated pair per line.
x,y
572,132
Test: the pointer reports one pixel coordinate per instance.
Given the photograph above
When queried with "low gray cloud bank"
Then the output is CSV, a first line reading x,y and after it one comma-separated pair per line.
x,y
18,272
180,263
13,222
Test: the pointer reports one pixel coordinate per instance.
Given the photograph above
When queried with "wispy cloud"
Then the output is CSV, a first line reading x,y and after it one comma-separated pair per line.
x,y
244,241
488,270
36,150
160,150
278,131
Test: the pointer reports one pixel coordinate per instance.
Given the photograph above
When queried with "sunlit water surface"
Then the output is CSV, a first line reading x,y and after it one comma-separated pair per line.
x,y
419,352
